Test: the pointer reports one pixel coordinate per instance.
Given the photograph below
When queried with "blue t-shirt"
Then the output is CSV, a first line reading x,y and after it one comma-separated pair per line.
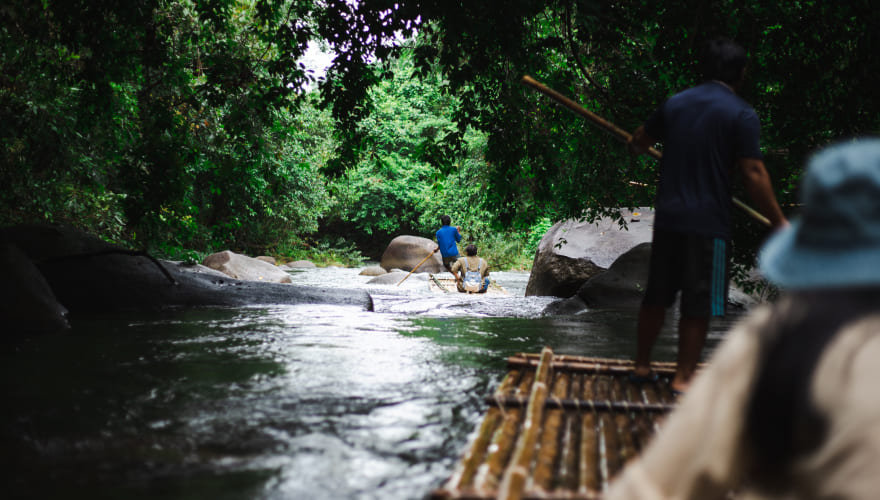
x,y
447,237
704,130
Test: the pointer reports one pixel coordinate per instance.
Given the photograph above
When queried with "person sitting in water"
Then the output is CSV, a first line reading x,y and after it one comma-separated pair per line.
x,y
471,272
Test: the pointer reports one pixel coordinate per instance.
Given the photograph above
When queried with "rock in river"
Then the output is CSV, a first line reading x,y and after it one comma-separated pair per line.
x,y
87,274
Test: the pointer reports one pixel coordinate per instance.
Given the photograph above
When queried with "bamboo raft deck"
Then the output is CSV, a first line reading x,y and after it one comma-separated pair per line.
x,y
440,284
560,427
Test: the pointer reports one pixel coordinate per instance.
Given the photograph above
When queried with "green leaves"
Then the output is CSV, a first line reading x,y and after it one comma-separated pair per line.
x,y
187,121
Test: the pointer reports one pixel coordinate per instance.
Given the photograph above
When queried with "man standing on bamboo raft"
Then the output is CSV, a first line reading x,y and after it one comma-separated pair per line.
x,y
447,239
787,407
708,134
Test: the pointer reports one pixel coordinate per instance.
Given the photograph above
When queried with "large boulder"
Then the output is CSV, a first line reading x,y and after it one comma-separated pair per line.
x,y
623,285
405,252
41,242
573,251
27,304
105,278
246,268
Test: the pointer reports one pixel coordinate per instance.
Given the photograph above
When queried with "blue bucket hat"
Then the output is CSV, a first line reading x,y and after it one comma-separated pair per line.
x,y
836,240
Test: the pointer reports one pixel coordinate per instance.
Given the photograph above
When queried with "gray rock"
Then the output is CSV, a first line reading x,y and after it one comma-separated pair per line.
x,y
572,252
623,284
41,242
129,282
266,258
566,307
27,304
405,252
199,269
395,277
373,271
300,264
246,268
112,279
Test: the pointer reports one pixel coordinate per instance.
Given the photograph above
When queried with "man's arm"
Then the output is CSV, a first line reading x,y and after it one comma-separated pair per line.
x,y
455,268
757,183
640,142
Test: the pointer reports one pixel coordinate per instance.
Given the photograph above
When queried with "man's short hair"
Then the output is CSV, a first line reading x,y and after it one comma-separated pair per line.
x,y
445,220
470,250
723,59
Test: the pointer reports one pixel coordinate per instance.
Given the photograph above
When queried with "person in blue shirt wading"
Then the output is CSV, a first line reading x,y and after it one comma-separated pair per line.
x,y
708,135
447,237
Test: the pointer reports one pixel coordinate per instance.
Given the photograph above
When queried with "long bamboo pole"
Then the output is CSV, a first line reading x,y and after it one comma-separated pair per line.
x,y
517,472
417,265
618,132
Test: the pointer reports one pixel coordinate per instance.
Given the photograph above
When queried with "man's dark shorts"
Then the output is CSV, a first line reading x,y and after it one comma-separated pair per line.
x,y
448,261
695,265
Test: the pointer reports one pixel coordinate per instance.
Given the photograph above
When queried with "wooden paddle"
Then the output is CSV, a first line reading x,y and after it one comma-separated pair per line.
x,y
419,264
618,132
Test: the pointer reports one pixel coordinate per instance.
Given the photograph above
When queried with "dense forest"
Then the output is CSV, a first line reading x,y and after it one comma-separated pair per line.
x,y
184,127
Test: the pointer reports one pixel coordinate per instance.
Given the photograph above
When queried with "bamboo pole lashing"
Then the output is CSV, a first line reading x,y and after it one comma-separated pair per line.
x,y
590,359
503,439
567,477
587,359
644,430
587,367
568,469
610,449
477,451
586,363
590,445
619,133
594,405
510,381
548,450
627,448
588,477
499,451
517,472
493,433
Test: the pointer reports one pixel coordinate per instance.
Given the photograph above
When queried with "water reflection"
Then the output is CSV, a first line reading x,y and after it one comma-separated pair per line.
x,y
308,401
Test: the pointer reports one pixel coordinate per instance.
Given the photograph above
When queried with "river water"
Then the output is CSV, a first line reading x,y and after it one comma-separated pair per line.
x,y
311,401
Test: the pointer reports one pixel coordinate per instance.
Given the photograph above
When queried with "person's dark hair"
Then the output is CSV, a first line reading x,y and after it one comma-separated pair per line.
x,y
723,59
470,250
445,220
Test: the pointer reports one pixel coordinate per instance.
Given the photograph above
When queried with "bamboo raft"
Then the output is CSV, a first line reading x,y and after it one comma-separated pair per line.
x,y
439,284
560,427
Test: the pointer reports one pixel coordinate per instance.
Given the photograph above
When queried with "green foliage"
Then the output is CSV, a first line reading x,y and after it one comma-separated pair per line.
x,y
167,124
327,251
176,124
810,80
536,233
387,189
